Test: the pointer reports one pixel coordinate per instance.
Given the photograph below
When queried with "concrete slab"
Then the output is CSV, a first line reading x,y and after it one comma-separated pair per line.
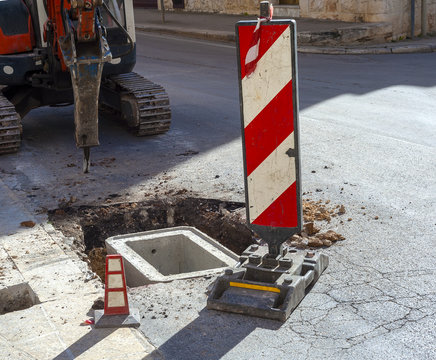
x,y
169,254
9,352
98,344
52,329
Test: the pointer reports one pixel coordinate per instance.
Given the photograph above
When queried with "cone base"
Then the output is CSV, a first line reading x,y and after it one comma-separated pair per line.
x,y
117,321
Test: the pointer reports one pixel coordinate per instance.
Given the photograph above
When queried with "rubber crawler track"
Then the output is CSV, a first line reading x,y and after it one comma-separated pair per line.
x,y
10,127
153,103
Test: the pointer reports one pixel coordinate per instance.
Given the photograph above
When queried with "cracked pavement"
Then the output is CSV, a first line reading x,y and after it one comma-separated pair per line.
x,y
353,312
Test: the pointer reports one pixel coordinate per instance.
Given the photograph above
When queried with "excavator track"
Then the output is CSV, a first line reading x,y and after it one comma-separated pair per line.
x,y
145,105
10,127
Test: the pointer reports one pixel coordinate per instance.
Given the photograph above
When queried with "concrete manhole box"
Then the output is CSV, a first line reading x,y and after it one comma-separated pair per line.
x,y
169,254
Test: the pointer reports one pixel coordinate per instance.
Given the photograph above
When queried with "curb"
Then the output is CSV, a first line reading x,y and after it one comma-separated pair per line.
x,y
401,49
193,33
304,49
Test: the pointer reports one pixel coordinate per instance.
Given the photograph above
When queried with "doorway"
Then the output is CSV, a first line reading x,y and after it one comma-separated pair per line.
x,y
178,4
148,4
289,2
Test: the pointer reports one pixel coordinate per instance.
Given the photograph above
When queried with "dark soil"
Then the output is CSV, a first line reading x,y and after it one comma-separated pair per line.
x,y
90,226
224,221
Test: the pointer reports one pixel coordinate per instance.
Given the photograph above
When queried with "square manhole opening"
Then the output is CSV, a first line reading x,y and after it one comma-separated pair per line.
x,y
16,297
169,254
175,254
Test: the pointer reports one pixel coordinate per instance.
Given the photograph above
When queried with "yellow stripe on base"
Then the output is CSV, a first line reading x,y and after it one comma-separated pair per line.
x,y
255,287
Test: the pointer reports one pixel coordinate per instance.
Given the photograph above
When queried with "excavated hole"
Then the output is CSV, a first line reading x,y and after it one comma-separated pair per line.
x,y
17,297
87,227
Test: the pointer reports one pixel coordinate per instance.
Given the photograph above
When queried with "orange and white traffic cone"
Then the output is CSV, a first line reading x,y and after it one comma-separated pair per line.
x,y
116,311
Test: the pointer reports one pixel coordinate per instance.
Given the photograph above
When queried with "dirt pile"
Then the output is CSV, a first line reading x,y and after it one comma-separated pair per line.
x,y
319,211
314,239
311,236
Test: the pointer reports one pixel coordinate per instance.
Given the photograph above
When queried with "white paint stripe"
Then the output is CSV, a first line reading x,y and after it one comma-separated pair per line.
x,y
115,299
273,72
115,281
114,265
271,178
252,53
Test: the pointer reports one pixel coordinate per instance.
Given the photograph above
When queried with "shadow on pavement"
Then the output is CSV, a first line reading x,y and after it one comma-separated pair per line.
x,y
210,336
85,343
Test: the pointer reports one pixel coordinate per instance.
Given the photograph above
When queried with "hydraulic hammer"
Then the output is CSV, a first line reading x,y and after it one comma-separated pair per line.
x,y
84,50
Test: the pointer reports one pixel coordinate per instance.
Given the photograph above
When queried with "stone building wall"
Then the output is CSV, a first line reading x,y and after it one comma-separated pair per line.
x,y
219,6
395,12
432,16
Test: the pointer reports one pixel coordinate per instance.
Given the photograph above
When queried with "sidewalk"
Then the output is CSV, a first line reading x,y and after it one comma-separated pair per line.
x,y
45,294
314,35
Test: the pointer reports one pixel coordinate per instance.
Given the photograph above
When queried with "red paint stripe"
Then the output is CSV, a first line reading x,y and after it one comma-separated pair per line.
x,y
269,35
250,67
268,130
283,212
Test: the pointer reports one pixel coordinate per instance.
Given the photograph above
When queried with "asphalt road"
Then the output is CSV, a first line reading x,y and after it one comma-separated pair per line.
x,y
368,138
362,96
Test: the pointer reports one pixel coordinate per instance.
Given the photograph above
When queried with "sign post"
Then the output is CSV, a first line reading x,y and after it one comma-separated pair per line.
x,y
269,282
269,116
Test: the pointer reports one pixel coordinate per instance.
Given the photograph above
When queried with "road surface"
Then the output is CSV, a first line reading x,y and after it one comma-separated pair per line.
x,y
368,135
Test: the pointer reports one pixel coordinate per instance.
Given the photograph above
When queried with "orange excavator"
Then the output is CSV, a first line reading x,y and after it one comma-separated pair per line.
x,y
81,52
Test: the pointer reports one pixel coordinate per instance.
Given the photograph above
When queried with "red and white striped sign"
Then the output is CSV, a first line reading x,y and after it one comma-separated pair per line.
x,y
269,118
115,296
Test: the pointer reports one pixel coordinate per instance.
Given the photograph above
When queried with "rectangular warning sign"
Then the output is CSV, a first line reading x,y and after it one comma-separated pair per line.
x,y
268,85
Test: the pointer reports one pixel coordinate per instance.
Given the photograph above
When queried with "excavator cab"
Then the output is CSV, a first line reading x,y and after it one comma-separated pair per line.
x,y
118,10
79,52
16,31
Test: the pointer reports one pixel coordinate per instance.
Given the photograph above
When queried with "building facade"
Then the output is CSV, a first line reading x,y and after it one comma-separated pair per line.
x,y
394,12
